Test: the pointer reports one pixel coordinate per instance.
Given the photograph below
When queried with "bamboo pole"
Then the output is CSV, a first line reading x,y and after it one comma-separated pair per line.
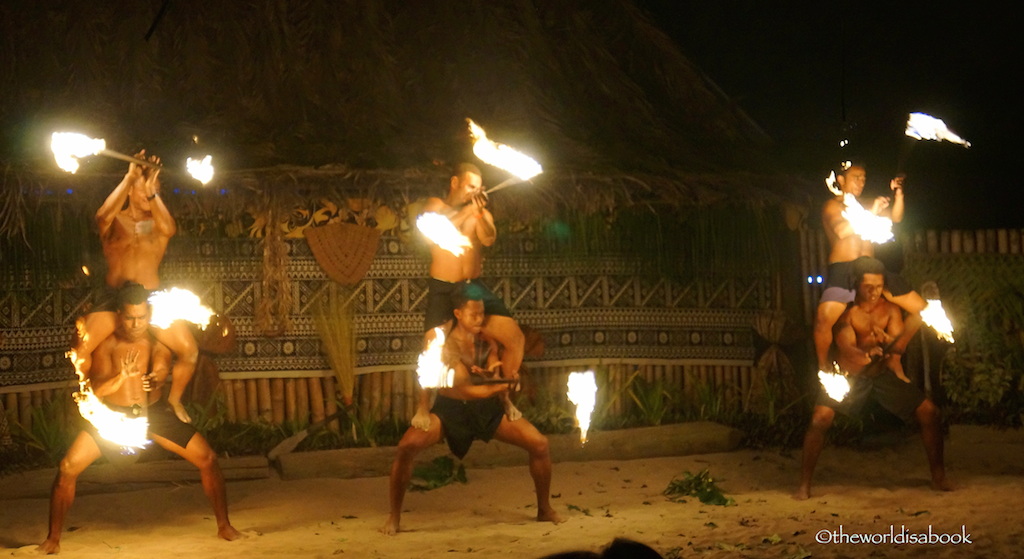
x,y
291,411
955,242
264,400
331,402
375,388
25,410
227,386
411,394
398,400
11,407
933,241
1014,240
945,242
241,401
1003,241
386,386
252,402
302,400
277,400
316,399
991,241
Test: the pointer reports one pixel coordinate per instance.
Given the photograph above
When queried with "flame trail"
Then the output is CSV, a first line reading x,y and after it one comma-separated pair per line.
x,y
200,169
921,126
870,227
442,232
177,304
118,428
502,156
836,385
431,370
69,147
935,316
582,391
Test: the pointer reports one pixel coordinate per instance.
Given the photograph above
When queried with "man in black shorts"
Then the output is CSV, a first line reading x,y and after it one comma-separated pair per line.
x,y
864,336
466,207
467,411
128,370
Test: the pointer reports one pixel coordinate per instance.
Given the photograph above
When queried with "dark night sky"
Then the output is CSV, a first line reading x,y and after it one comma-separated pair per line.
x,y
796,69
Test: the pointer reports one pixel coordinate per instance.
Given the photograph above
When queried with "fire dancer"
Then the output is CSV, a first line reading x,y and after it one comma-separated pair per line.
x,y
467,411
863,335
135,228
129,367
847,246
465,206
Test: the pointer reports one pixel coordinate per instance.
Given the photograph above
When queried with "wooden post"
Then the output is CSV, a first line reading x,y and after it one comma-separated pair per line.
x,y
316,399
291,409
1014,238
227,386
386,386
331,402
375,388
954,242
252,402
277,400
933,241
264,400
241,401
25,410
302,399
1003,241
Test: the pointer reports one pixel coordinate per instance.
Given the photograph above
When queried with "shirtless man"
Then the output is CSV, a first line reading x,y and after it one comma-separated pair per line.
x,y
847,246
135,227
128,369
863,335
465,207
467,411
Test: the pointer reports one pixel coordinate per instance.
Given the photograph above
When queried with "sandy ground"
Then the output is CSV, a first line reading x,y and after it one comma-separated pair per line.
x,y
857,492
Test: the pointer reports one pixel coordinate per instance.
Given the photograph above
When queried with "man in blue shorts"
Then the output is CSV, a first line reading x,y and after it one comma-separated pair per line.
x,y
864,335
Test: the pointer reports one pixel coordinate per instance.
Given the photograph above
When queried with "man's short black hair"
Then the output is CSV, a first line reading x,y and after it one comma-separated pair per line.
x,y
469,292
131,293
463,168
866,265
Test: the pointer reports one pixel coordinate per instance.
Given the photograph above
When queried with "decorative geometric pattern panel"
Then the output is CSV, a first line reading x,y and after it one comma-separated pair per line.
x,y
591,307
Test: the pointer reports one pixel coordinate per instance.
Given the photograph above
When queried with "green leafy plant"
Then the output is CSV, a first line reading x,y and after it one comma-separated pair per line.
x,y
439,472
54,427
701,486
652,400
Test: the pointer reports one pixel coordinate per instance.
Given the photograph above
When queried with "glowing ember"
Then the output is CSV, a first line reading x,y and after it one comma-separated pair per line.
x,y
935,316
870,227
69,147
501,156
200,169
442,232
431,370
836,385
926,127
177,304
116,427
582,391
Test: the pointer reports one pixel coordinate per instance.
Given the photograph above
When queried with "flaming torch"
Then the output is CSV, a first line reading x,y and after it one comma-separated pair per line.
x,y
921,126
442,232
582,391
933,314
836,385
126,432
431,370
520,165
870,227
177,304
69,147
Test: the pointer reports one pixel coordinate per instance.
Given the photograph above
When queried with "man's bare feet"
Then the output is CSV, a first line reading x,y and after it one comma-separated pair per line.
x,y
49,547
802,494
942,484
230,534
390,527
549,515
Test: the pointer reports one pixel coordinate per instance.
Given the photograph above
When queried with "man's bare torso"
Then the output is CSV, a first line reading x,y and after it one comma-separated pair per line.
x,y
444,265
134,250
846,249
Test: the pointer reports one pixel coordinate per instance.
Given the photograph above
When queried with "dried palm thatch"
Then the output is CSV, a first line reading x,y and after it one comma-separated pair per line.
x,y
334,322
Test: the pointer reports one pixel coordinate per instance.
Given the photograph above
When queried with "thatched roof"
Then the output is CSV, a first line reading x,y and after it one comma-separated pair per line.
x,y
592,88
